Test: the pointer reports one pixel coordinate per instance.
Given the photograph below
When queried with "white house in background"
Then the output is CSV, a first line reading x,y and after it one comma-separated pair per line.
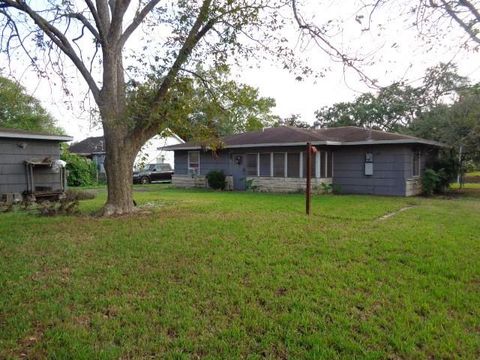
x,y
152,152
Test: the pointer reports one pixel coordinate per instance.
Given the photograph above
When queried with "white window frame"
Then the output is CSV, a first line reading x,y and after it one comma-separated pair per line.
x,y
271,164
258,164
318,163
188,163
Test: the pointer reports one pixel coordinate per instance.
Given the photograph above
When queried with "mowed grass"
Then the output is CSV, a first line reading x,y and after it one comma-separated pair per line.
x,y
206,274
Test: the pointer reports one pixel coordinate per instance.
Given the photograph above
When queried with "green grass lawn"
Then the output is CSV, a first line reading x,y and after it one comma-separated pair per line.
x,y
244,275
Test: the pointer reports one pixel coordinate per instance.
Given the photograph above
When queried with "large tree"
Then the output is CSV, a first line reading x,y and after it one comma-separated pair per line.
x,y
93,35
19,110
395,107
457,124
213,104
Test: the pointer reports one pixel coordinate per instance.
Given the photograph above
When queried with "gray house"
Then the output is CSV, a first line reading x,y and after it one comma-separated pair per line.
x,y
356,160
29,164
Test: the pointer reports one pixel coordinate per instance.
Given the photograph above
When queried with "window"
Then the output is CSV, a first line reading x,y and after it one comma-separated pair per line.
x,y
416,163
265,164
252,164
293,165
279,164
165,167
368,164
194,162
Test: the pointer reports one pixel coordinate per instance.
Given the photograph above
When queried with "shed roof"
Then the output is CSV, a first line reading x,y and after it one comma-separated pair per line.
x,y
24,134
292,136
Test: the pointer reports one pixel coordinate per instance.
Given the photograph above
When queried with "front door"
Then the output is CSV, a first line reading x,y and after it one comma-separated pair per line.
x,y
238,171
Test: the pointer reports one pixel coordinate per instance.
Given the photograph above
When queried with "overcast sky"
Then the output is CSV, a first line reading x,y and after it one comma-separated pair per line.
x,y
396,52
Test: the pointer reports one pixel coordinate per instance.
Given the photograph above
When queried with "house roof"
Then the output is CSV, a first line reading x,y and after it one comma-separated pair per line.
x,y
292,136
96,144
91,145
24,134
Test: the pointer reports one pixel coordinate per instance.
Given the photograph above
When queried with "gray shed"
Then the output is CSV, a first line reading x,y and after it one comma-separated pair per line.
x,y
29,164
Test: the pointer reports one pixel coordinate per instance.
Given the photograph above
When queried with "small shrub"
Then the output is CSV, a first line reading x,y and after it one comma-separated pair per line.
x,y
430,182
435,182
216,180
325,188
250,186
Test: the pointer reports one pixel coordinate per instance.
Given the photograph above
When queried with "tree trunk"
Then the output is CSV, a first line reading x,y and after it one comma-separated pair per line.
x,y
120,148
120,156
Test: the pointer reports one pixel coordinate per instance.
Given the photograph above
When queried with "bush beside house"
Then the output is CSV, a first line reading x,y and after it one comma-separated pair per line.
x,y
81,171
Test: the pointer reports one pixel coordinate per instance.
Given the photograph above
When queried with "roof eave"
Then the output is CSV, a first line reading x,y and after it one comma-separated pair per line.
x,y
331,143
392,142
36,137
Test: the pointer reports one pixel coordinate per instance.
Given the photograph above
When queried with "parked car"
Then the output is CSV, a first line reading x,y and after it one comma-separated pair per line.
x,y
153,172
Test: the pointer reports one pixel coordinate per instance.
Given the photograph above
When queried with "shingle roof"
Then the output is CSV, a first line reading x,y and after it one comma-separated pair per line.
x,y
91,145
25,134
291,136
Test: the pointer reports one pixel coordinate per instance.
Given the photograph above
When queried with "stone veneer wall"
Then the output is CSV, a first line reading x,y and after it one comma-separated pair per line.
x,y
265,184
413,187
187,181
279,184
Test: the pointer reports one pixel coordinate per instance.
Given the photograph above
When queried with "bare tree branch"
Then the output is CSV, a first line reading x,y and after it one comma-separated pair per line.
x,y
59,39
98,22
468,28
319,37
103,16
86,23
139,17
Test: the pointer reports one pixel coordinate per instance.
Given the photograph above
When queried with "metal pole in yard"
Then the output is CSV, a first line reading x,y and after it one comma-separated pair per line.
x,y
309,178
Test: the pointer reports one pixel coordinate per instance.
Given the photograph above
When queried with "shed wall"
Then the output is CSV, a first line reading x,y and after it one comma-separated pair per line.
x,y
12,167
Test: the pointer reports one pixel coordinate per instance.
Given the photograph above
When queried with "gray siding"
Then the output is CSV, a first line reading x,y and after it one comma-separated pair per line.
x,y
389,169
12,168
218,161
208,162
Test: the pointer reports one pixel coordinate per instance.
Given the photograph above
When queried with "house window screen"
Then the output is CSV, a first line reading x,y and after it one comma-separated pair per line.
x,y
279,164
265,164
416,163
293,165
194,162
252,164
329,164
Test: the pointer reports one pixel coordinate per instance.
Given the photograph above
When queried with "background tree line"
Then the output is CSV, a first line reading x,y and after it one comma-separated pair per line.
x,y
445,107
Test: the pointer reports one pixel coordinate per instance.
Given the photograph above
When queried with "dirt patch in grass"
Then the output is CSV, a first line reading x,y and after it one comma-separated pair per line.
x,y
392,214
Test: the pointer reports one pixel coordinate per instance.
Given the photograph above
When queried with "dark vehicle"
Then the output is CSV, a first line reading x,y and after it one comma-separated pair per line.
x,y
153,172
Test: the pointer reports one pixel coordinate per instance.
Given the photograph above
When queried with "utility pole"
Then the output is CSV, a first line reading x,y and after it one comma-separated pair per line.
x,y
308,189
